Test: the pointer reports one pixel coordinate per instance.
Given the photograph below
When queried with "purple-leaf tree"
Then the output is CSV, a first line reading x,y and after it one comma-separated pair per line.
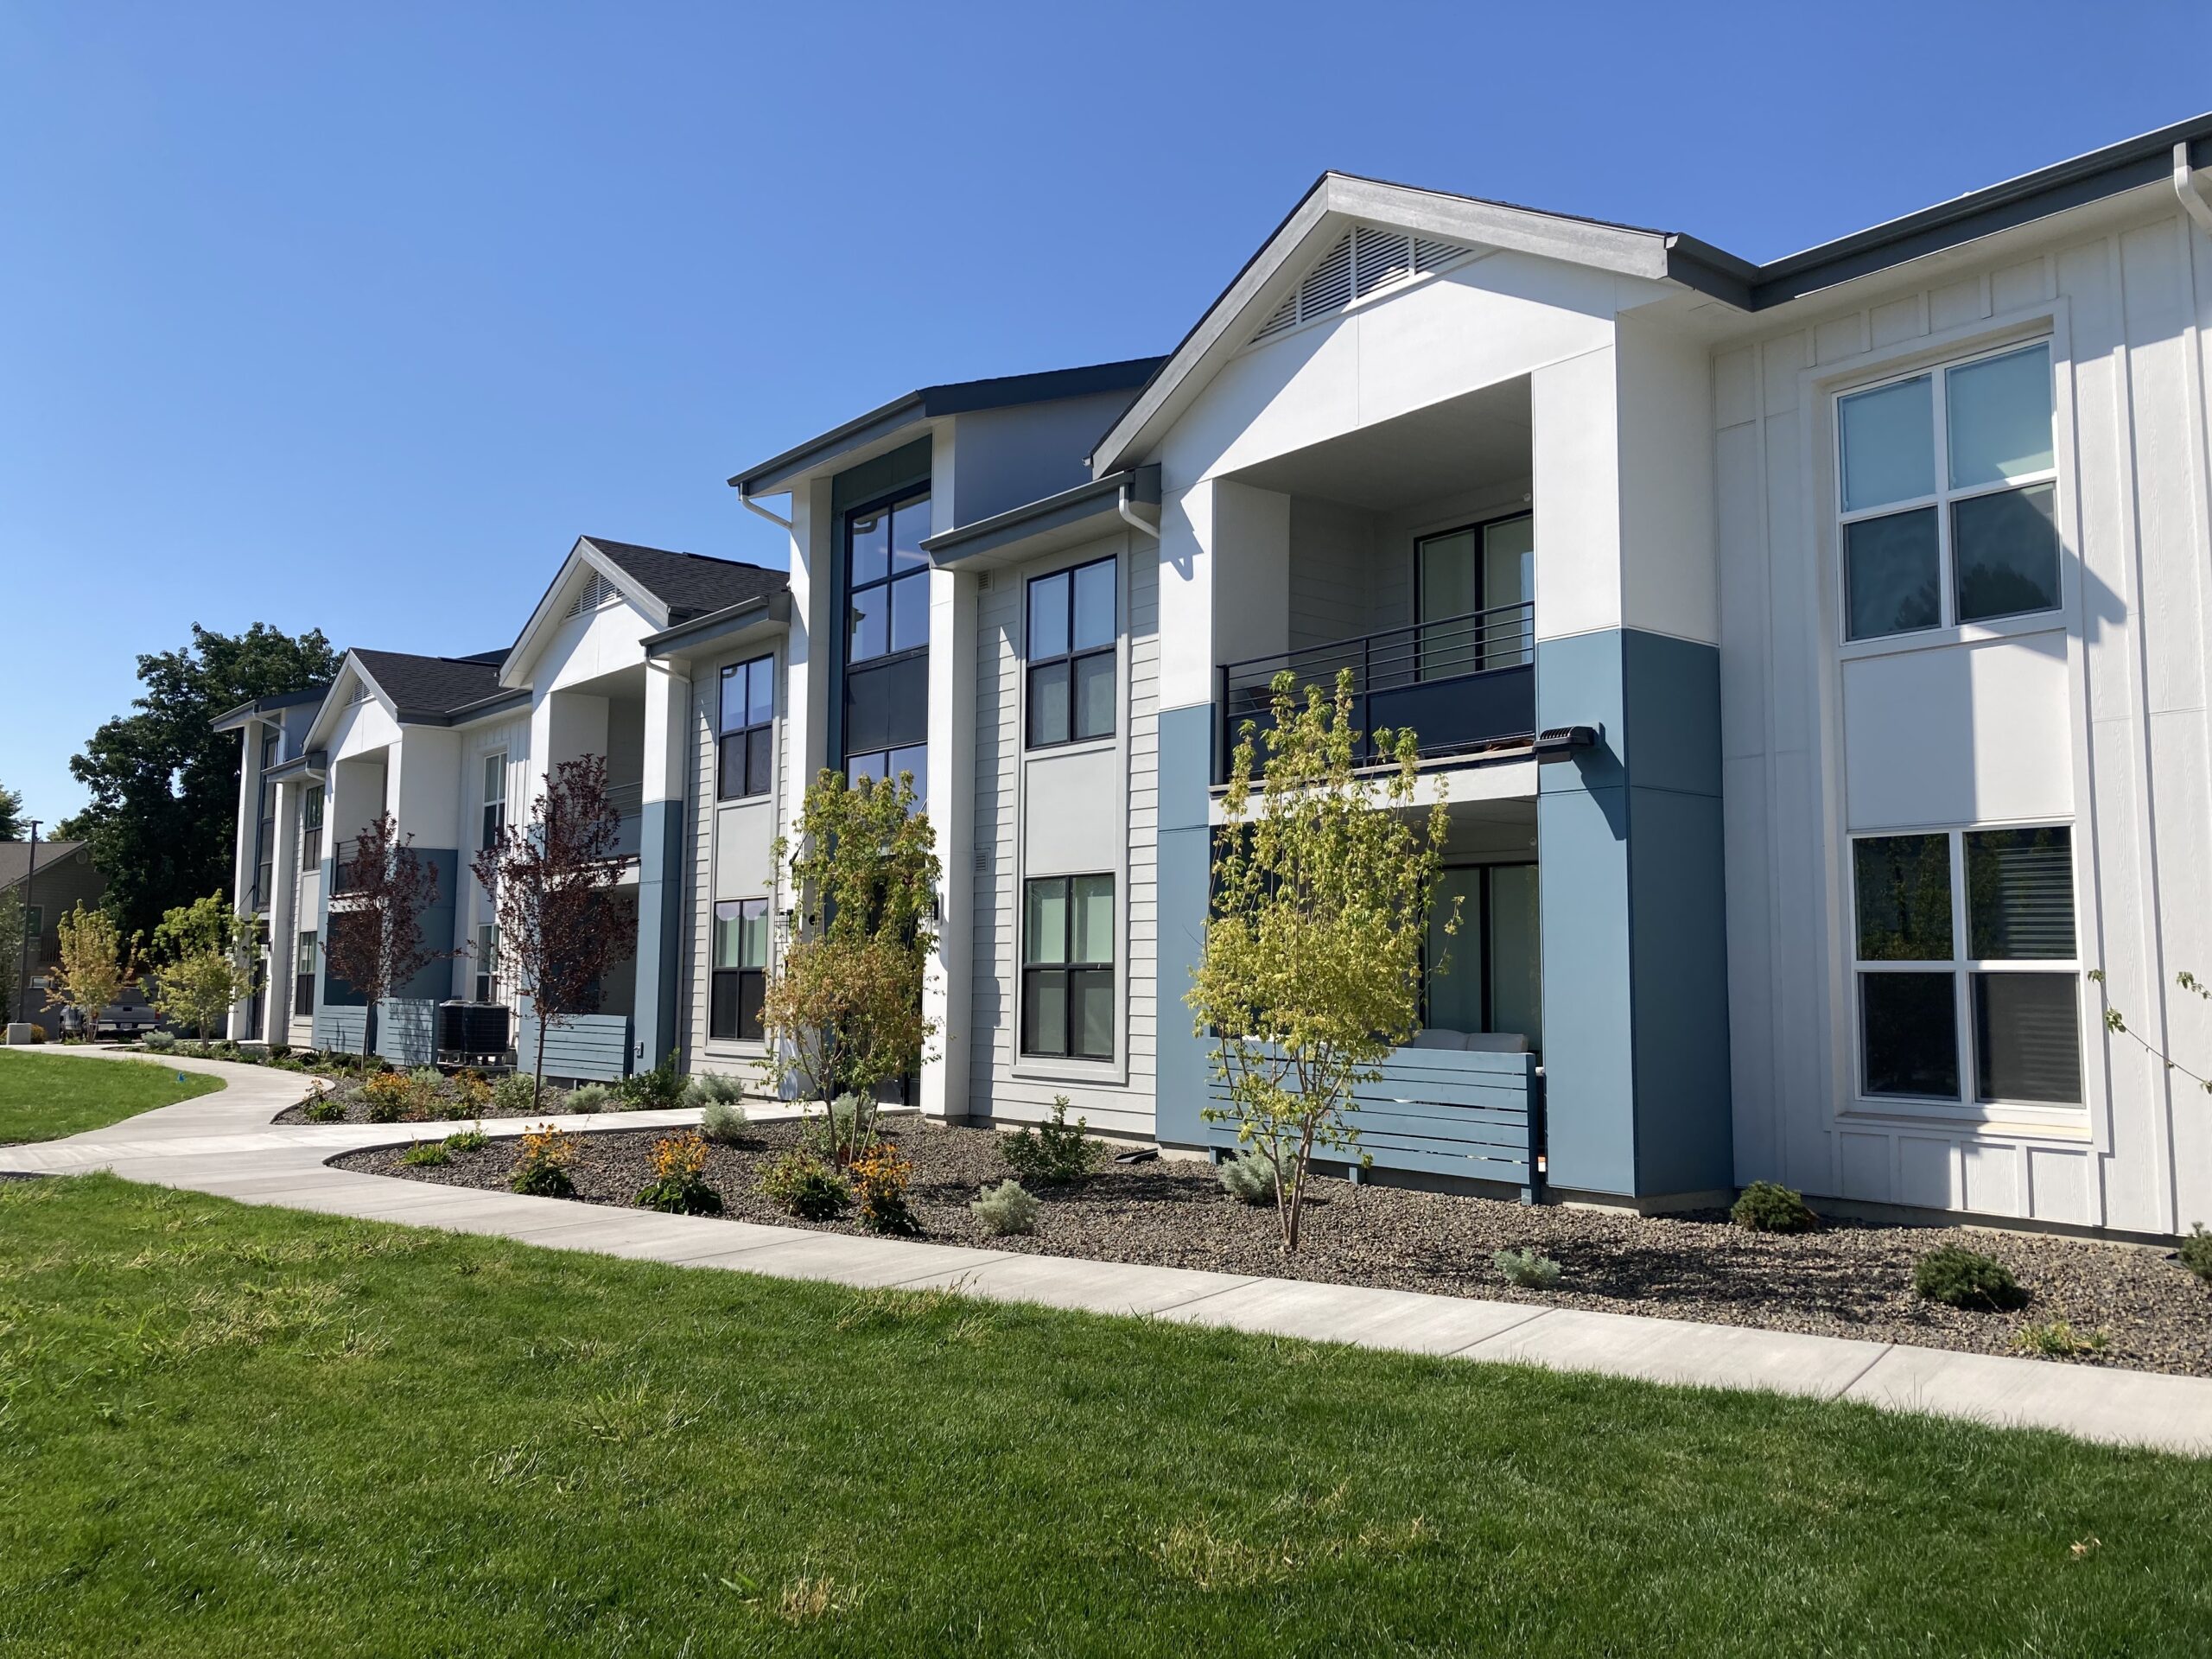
x,y
374,941
548,880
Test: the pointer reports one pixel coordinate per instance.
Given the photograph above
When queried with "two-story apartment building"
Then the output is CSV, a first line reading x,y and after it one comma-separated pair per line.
x,y
1812,655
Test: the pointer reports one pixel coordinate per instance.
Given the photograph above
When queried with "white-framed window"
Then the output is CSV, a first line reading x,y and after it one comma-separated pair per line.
x,y
1947,495
495,803
1067,967
1967,968
488,962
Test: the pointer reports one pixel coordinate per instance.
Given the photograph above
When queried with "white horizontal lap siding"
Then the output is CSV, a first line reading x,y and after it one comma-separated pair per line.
x,y
994,1089
705,688
2134,312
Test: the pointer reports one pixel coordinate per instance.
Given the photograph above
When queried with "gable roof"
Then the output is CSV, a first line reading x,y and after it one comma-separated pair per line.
x,y
16,858
432,687
691,584
1338,199
774,475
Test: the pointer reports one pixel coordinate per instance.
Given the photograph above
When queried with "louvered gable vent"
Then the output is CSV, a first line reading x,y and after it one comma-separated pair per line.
x,y
1365,260
594,594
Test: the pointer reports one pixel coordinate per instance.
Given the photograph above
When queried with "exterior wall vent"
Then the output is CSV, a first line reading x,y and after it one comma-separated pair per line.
x,y
361,692
1365,260
593,594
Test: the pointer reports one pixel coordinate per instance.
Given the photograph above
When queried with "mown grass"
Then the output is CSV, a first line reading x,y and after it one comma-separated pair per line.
x,y
45,1097
237,1431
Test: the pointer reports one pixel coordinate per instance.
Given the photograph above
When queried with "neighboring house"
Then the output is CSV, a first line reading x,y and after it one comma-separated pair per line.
x,y
64,878
1813,655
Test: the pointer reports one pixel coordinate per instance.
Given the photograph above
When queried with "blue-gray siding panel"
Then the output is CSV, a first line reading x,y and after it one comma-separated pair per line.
x,y
592,1046
660,926
1185,865
338,1029
407,1031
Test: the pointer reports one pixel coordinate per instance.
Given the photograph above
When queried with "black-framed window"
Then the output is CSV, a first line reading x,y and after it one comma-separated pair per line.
x,y
1067,967
740,978
265,877
303,975
495,799
1072,678
745,720
311,828
887,579
488,962
886,765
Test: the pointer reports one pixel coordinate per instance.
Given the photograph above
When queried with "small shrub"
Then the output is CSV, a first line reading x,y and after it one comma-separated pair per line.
x,y
1770,1207
512,1094
1248,1177
590,1098
468,1140
161,1042
1007,1208
280,1051
723,1122
323,1107
474,1090
879,1176
1052,1154
657,1091
1963,1278
2056,1339
801,1184
1530,1269
711,1086
2196,1252
389,1098
542,1171
426,1152
679,1185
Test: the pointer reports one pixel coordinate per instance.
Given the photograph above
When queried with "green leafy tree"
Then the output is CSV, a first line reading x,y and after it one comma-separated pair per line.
x,y
843,1009
164,783
204,954
1324,879
95,965
11,814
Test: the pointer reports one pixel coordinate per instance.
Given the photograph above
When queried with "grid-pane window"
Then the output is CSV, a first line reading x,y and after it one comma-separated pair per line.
x,y
1072,681
746,721
303,975
495,799
740,974
311,828
1967,971
887,591
264,875
885,766
1947,496
488,962
1067,973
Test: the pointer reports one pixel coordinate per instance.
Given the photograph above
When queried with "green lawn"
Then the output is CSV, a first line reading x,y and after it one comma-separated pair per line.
x,y
44,1097
236,1431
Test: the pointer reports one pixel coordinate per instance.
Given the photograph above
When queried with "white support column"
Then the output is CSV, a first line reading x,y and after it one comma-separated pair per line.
x,y
950,803
237,1023
283,916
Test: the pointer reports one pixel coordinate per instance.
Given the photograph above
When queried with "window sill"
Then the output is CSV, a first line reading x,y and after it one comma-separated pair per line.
x,y
1075,746
2063,1124
1037,1068
1962,634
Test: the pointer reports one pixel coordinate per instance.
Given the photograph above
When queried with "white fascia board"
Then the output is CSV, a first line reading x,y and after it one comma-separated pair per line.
x,y
334,703
514,671
1332,207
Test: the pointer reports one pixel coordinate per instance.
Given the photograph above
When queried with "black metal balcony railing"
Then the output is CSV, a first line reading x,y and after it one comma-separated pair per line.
x,y
342,854
628,802
1460,683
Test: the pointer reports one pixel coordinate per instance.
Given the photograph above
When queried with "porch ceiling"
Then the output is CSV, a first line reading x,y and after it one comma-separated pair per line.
x,y
1478,439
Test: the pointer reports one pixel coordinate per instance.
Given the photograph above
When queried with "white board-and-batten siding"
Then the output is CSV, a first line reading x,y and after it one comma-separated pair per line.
x,y
2112,724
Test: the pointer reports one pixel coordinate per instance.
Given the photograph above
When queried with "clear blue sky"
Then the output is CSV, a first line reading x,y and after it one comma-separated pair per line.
x,y
355,317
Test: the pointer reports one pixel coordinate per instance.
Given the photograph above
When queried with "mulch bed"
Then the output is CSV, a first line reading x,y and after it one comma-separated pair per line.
x,y
1845,1280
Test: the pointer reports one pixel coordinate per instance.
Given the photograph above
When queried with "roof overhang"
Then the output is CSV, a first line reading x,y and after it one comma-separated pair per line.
x,y
232,720
1072,516
721,631
548,616
313,767
351,666
482,708
1339,199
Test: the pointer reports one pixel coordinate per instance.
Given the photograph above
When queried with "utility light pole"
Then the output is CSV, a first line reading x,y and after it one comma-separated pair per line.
x,y
24,947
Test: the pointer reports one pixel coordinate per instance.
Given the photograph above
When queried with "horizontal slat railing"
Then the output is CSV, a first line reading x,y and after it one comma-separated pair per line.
x,y
592,1046
1442,1112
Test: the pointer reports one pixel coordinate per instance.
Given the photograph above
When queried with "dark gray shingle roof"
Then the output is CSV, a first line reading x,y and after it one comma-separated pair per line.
x,y
16,858
691,584
432,685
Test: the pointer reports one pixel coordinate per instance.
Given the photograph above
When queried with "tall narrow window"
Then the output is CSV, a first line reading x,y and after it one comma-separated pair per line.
x,y
1067,973
1946,496
311,828
746,752
1070,655
495,799
889,592
1966,966
740,974
264,878
303,975
488,962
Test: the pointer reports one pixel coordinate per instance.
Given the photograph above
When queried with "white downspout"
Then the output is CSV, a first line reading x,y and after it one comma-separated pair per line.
x,y
1152,530
751,506
2192,199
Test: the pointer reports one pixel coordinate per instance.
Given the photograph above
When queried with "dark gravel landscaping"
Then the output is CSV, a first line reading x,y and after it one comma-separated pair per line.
x,y
1845,1280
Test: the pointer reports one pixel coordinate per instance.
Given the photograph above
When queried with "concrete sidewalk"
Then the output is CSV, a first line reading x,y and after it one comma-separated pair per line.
x,y
224,1144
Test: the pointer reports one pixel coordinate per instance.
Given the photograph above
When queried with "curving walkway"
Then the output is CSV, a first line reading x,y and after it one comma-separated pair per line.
x,y
224,1144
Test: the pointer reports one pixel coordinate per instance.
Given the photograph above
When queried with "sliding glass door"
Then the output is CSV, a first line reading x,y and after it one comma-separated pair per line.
x,y
1462,576
1488,976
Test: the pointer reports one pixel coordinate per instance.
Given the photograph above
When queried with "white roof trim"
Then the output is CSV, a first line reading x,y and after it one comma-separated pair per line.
x,y
340,698
1329,209
552,609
